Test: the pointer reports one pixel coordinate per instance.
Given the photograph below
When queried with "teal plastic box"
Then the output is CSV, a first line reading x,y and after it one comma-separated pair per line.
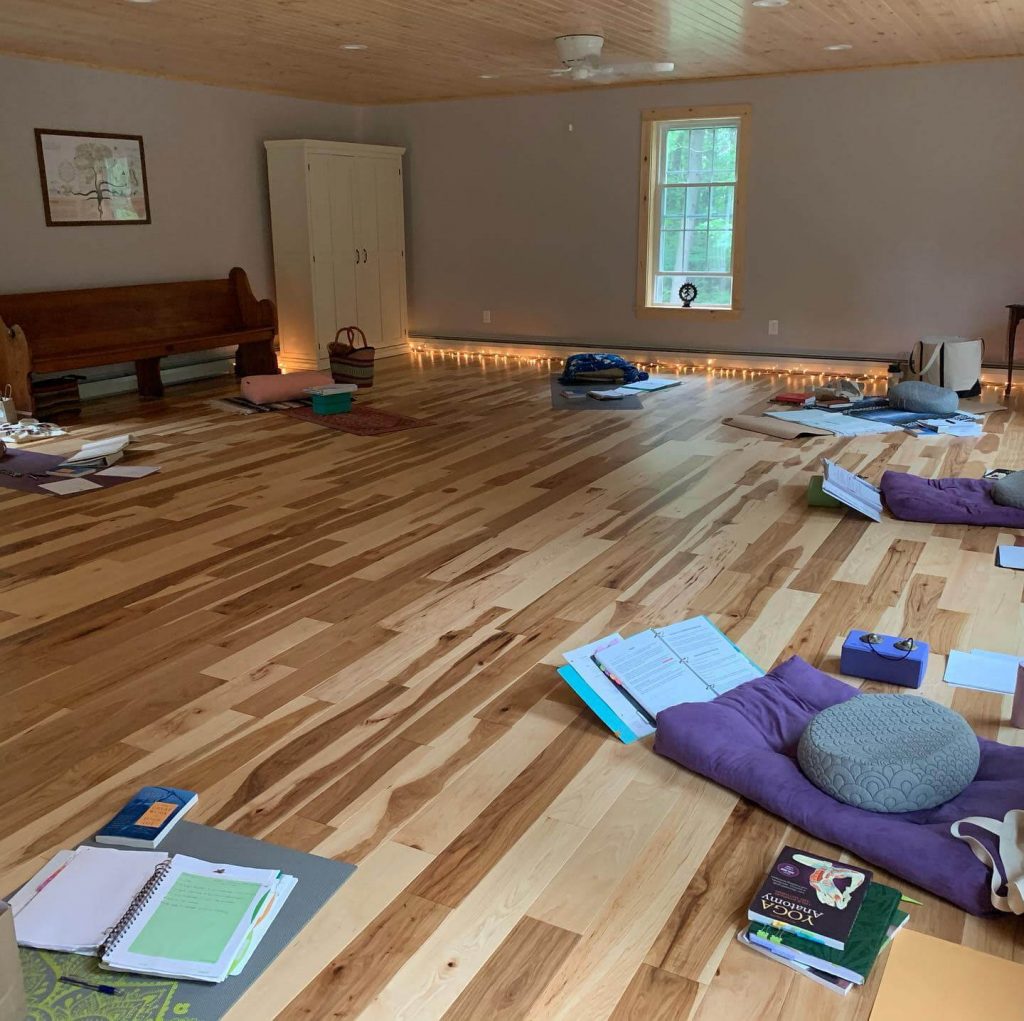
x,y
331,404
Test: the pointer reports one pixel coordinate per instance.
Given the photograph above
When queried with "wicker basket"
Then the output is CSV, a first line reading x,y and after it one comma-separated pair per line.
x,y
351,363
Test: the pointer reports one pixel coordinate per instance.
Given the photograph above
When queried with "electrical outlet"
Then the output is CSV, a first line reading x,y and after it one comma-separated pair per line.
x,y
487,315
773,327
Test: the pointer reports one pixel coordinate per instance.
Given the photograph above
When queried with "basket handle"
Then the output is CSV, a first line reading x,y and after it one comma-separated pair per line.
x,y
350,334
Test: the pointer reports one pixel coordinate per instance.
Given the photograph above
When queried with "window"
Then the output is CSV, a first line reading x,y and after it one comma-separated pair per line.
x,y
691,210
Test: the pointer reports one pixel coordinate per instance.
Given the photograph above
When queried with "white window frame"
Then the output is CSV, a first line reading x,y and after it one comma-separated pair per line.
x,y
655,125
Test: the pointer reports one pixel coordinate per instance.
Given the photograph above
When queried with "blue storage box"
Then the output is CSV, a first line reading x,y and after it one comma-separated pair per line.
x,y
884,662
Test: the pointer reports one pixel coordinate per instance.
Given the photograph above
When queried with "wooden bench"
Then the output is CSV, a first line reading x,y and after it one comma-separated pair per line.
x,y
50,331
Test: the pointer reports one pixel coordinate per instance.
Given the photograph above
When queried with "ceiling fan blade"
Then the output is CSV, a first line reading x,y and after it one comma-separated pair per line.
x,y
639,70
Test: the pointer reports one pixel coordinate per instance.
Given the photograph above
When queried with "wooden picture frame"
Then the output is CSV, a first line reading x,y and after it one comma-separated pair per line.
x,y
646,234
92,178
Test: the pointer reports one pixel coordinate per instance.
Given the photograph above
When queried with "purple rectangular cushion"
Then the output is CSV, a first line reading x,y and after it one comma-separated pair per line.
x,y
946,501
746,740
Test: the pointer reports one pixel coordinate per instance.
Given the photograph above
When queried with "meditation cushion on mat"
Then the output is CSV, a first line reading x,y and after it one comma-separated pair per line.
x,y
747,741
287,387
1009,490
946,501
917,395
889,753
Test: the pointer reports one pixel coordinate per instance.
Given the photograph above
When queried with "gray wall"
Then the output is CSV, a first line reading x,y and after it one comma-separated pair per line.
x,y
882,205
204,160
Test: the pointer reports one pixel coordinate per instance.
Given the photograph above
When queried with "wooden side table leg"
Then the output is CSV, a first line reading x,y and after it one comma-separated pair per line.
x,y
1011,337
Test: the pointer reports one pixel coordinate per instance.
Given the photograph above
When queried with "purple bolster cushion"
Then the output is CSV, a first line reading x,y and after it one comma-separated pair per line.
x,y
946,501
747,739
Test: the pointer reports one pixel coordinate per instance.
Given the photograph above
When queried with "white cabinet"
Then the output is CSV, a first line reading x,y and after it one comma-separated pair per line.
x,y
339,245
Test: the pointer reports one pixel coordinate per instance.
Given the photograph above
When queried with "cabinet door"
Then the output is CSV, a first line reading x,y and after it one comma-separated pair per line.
x,y
334,248
391,250
367,272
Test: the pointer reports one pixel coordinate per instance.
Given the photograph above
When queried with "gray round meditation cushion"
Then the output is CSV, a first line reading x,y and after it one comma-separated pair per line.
x,y
917,395
889,753
1009,490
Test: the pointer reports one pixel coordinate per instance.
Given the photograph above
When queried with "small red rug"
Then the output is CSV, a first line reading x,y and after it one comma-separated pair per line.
x,y
362,420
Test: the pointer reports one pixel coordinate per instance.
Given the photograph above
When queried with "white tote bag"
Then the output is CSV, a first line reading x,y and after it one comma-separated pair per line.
x,y
1010,833
952,362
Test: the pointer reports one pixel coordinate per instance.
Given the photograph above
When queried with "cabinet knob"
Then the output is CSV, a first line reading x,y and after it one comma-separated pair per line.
x,y
357,256
364,255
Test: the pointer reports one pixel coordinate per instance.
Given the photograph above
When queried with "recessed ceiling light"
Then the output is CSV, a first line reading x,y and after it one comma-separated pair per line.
x,y
347,46
488,76
835,47
770,3
142,1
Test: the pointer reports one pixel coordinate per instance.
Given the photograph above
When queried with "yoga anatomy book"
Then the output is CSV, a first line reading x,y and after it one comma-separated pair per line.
x,y
150,913
627,682
811,897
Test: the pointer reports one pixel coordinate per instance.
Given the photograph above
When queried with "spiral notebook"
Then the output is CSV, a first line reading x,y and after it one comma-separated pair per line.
x,y
150,913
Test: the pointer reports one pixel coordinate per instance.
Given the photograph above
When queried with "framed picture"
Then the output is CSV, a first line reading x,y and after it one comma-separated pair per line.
x,y
92,178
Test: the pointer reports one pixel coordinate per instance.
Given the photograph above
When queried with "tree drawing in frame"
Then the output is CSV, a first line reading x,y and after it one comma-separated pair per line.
x,y
92,178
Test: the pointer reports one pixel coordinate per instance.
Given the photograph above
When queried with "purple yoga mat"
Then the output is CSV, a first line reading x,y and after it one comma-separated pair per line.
x,y
30,462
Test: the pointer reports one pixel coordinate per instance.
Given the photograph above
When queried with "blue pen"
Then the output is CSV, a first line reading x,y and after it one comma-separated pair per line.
x,y
106,990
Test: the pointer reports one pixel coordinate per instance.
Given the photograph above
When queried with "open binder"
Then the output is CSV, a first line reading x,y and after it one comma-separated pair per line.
x,y
150,913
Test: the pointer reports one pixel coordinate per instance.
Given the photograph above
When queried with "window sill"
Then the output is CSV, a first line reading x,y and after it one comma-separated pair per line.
x,y
700,315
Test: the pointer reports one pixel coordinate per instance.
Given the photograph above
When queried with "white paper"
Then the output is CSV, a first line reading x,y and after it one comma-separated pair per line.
x,y
67,486
709,654
946,427
851,490
102,448
1011,556
127,471
581,660
39,880
653,674
121,957
835,422
982,670
654,383
83,902
615,394
285,885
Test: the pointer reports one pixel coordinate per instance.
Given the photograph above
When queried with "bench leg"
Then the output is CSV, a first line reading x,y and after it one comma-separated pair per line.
x,y
256,359
147,372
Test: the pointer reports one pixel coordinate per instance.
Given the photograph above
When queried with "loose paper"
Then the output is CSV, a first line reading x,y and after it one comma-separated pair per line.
x,y
830,421
984,671
65,487
127,471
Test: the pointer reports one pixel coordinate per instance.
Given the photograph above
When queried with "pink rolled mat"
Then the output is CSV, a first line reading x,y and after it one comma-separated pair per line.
x,y
289,387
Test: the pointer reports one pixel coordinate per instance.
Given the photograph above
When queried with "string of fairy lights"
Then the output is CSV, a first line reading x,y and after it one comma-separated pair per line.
x,y
707,367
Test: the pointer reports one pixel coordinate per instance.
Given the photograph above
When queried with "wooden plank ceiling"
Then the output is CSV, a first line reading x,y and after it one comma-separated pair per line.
x,y
418,50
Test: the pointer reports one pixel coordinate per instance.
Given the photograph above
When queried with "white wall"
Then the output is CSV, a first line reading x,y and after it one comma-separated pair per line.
x,y
882,205
204,160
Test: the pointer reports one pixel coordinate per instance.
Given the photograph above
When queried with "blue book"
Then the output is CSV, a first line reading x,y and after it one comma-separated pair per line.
x,y
148,817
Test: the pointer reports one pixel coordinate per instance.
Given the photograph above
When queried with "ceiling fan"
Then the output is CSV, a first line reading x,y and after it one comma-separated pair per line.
x,y
581,61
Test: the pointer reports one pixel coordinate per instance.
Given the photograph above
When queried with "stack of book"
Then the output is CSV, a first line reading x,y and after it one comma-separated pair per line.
x,y
826,920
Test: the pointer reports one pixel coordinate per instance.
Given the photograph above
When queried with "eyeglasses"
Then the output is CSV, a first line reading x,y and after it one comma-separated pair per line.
x,y
905,645
21,475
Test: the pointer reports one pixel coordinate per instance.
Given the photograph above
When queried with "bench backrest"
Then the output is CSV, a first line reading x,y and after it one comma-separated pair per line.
x,y
113,318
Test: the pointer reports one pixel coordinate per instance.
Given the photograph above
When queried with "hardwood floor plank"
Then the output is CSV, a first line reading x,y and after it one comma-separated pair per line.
x,y
348,645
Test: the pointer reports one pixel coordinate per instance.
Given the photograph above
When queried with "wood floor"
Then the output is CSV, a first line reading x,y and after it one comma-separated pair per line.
x,y
348,645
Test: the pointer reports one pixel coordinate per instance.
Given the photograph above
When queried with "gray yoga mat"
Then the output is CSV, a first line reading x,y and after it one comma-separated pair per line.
x,y
156,999
584,403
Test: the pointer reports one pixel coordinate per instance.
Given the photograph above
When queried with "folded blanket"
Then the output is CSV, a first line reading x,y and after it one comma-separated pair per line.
x,y
946,501
746,740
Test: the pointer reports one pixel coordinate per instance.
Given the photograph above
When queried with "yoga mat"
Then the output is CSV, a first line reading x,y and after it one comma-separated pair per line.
x,y
30,463
149,998
560,403
773,427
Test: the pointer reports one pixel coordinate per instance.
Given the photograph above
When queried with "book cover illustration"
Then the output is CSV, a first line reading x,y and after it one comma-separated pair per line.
x,y
811,897
878,917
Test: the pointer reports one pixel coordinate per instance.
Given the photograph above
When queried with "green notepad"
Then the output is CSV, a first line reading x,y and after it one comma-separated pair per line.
x,y
878,914
196,919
